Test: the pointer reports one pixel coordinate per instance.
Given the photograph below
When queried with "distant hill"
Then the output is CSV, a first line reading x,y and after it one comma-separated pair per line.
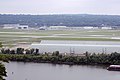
x,y
61,20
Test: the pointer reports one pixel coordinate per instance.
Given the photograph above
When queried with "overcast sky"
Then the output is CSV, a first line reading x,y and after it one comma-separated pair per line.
x,y
105,7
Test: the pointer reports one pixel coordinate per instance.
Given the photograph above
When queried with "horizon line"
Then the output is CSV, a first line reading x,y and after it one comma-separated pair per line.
x,y
59,14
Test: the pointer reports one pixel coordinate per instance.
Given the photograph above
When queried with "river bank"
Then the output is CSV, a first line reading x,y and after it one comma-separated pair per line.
x,y
56,58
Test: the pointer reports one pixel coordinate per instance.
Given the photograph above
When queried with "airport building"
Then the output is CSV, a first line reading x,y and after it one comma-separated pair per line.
x,y
15,26
10,26
57,28
22,27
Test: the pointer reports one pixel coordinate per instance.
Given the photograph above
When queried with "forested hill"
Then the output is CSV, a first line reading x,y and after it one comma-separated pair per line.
x,y
61,20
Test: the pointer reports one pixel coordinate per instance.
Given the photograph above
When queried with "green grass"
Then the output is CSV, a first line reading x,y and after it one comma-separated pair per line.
x,y
79,39
11,36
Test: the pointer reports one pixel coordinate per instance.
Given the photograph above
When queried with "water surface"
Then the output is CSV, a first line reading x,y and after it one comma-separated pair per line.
x,y
78,47
44,71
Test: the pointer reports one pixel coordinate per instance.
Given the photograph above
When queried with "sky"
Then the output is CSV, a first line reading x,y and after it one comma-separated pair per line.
x,y
105,7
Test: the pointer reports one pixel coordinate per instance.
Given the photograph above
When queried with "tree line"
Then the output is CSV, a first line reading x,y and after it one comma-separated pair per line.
x,y
20,51
57,58
61,20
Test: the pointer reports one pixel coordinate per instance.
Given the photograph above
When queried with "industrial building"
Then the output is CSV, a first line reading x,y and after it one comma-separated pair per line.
x,y
22,27
10,26
15,26
57,28
106,28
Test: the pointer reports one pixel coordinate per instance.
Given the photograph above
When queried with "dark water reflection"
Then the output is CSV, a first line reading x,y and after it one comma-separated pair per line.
x,y
44,71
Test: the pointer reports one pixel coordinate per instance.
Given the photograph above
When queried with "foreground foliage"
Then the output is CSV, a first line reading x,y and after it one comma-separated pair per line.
x,y
2,68
2,72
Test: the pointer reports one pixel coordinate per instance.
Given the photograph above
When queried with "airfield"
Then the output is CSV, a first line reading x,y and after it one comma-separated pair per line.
x,y
12,37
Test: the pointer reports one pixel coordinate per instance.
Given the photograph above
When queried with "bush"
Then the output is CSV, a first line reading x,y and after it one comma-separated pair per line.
x,y
2,72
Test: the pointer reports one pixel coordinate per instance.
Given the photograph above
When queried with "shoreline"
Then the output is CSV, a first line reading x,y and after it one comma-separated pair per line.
x,y
104,66
55,58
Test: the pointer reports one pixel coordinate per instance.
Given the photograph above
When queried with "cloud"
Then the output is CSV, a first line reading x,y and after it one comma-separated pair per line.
x,y
60,6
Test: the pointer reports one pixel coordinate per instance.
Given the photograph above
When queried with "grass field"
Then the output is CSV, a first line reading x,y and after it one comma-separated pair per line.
x,y
12,37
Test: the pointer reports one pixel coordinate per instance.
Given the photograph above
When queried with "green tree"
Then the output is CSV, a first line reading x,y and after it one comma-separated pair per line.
x,y
20,50
12,52
2,72
36,51
56,53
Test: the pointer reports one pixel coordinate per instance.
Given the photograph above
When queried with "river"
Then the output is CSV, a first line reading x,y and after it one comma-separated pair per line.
x,y
45,71
77,47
